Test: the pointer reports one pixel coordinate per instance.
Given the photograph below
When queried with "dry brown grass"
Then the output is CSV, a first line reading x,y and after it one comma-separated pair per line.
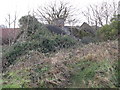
x,y
58,71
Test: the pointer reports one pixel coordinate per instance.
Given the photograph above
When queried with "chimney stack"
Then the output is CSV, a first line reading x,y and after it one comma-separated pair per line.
x,y
59,22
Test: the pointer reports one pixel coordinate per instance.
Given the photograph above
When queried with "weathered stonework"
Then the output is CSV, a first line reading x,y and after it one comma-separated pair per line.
x,y
59,22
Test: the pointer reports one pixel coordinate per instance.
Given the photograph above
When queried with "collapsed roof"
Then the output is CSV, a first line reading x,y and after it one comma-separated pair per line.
x,y
55,29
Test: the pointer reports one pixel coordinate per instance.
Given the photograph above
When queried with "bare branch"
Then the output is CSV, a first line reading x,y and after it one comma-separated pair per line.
x,y
55,11
100,14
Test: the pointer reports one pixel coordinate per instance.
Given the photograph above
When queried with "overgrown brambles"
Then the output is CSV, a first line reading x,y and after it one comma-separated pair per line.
x,y
42,41
91,66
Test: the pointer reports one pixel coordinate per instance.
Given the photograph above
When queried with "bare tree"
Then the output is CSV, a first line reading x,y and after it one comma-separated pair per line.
x,y
100,14
55,11
87,15
115,7
11,22
107,10
15,19
8,20
93,15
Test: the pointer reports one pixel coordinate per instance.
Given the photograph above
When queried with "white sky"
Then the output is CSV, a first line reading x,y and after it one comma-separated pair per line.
x,y
23,6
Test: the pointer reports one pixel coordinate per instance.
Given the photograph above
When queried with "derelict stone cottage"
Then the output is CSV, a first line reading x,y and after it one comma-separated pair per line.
x,y
58,27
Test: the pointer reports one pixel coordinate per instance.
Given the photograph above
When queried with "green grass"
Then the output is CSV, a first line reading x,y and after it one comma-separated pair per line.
x,y
88,71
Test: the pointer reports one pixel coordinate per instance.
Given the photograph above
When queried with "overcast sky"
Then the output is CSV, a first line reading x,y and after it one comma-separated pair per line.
x,y
23,6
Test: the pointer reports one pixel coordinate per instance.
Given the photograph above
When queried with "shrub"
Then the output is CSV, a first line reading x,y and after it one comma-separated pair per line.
x,y
109,32
64,41
81,33
41,33
47,45
15,51
30,23
42,44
